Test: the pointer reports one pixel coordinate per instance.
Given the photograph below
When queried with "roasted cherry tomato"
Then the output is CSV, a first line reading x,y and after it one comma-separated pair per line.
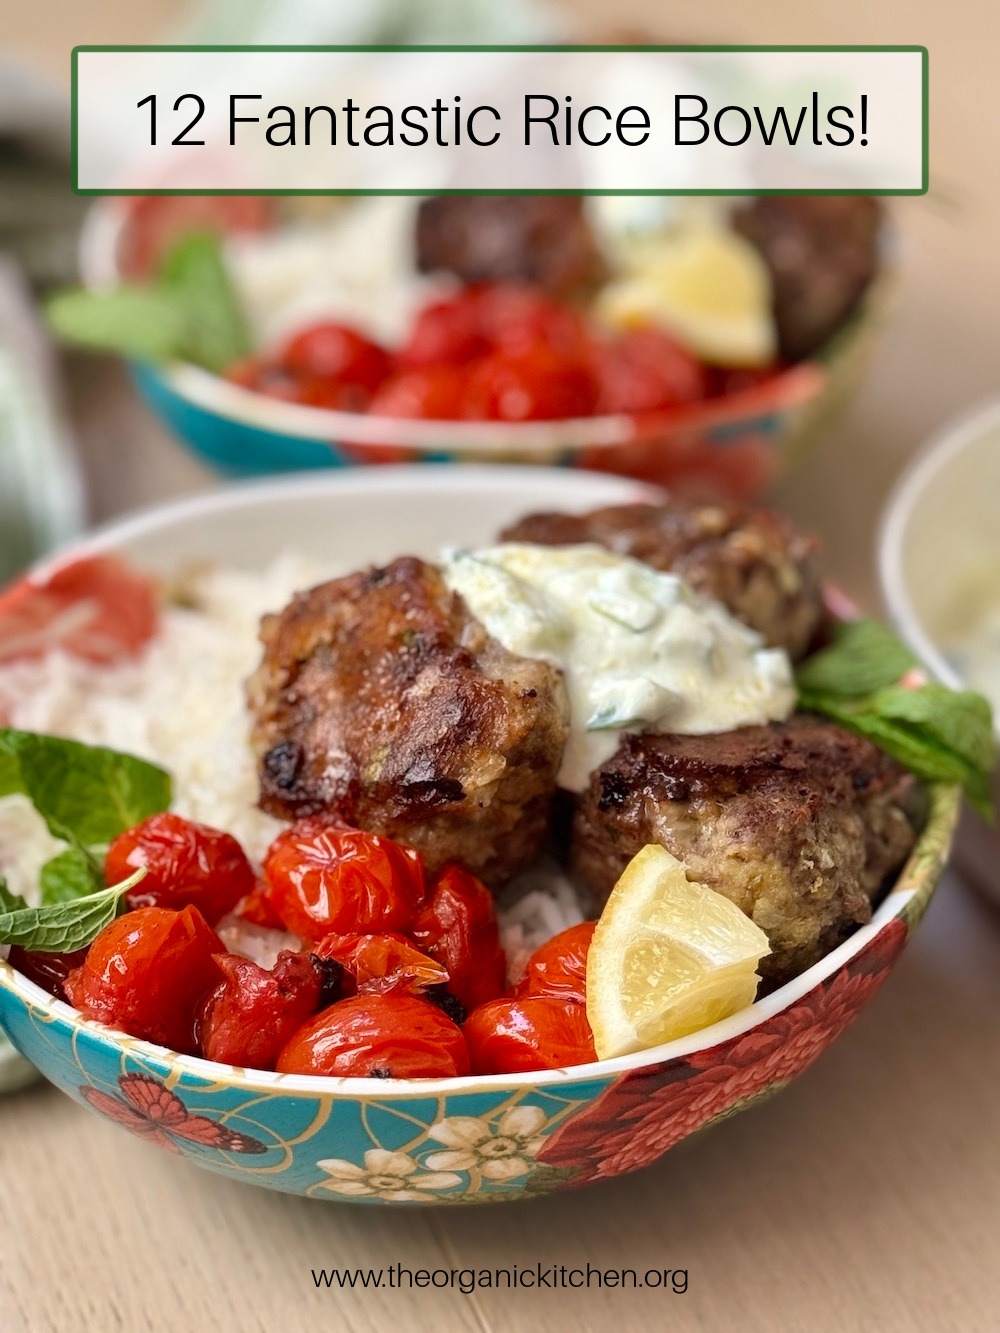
x,y
559,967
48,970
250,1015
185,863
337,353
258,909
386,964
436,393
517,319
531,385
378,1036
326,877
444,333
518,1035
646,370
147,974
96,608
458,927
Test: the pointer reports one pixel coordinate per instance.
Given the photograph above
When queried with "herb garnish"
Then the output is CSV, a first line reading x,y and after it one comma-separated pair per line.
x,y
190,313
941,735
87,795
61,927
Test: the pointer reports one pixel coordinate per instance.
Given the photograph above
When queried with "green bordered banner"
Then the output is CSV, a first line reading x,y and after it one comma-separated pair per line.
x,y
413,120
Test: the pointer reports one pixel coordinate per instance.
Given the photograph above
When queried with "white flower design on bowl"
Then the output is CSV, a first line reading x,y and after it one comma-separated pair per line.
x,y
500,1150
389,1175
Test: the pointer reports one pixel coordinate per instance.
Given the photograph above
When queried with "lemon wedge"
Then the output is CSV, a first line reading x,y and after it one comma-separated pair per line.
x,y
668,958
709,287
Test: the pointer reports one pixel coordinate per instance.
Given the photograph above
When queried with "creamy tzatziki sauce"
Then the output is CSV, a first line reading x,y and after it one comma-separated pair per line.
x,y
639,649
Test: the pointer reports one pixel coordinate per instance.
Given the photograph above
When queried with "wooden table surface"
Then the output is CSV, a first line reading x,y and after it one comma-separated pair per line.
x,y
867,1195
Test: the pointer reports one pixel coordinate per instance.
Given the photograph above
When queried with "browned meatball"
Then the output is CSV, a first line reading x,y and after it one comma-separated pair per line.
x,y
751,560
798,823
381,700
544,239
822,251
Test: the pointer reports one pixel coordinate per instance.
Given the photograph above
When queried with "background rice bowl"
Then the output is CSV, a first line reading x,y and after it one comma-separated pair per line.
x,y
465,1139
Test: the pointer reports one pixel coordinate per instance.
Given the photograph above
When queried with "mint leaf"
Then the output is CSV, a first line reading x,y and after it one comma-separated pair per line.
x,y
86,794
940,735
10,902
865,656
917,746
61,927
138,322
194,273
191,313
960,720
71,874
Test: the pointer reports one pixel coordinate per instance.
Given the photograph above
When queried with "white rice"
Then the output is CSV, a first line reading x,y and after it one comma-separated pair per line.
x,y
182,706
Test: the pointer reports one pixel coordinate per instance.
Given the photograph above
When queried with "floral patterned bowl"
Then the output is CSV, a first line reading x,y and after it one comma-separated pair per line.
x,y
475,1139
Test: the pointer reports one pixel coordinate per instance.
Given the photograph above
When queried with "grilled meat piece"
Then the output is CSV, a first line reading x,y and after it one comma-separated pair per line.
x,y
751,560
822,251
798,823
545,239
381,700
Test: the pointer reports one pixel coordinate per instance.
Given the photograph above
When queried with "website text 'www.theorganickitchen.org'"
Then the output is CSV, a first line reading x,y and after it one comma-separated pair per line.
x,y
558,1277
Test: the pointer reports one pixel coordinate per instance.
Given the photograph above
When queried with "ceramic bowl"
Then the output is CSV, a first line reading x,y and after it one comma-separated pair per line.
x,y
939,564
737,446
474,1139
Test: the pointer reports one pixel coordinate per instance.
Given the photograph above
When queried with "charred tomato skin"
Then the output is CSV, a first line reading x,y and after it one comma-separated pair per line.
x,y
249,1016
378,1036
186,864
522,1035
559,966
458,927
147,974
382,964
326,877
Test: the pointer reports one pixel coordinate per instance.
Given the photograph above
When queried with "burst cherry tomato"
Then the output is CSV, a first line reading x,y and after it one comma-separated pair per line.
x,y
326,877
96,608
530,385
383,964
378,1036
147,973
258,909
185,863
559,967
338,353
444,333
458,927
435,393
646,370
250,1015
48,970
518,1035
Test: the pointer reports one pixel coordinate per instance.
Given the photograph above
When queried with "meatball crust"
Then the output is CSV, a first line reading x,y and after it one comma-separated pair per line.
x,y
799,823
543,239
822,252
751,560
382,701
